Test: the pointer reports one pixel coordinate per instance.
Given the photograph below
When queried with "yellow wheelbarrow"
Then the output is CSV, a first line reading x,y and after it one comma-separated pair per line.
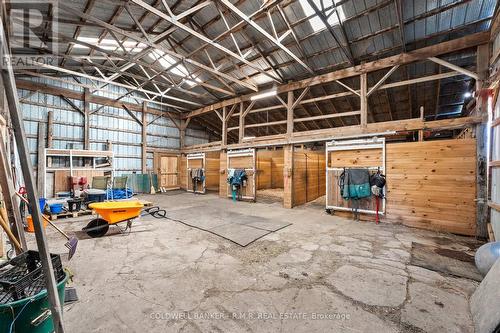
x,y
112,213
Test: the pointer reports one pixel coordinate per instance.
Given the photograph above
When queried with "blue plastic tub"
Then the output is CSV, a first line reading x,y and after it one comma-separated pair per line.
x,y
96,197
56,208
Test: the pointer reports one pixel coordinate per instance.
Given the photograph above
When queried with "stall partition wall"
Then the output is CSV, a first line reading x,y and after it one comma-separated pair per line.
x,y
270,169
242,159
223,175
363,153
308,175
212,167
430,184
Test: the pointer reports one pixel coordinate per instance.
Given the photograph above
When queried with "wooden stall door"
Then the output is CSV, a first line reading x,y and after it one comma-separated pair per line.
x,y
169,172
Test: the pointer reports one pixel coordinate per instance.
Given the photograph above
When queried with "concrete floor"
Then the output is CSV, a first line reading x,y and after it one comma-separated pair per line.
x,y
321,274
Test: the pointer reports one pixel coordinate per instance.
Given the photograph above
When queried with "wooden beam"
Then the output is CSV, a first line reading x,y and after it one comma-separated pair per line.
x,y
144,136
219,115
50,133
86,119
320,135
364,99
56,91
400,59
382,80
131,114
70,102
328,116
289,114
454,67
241,126
271,123
40,173
482,64
224,126
288,176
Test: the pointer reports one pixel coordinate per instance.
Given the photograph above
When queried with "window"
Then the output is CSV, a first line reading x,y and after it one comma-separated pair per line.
x,y
166,61
328,5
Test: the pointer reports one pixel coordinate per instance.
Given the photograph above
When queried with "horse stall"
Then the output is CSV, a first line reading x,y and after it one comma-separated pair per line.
x,y
244,159
430,184
367,154
208,179
269,181
308,176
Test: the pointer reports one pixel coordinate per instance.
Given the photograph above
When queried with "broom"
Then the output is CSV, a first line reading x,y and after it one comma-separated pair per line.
x,y
72,241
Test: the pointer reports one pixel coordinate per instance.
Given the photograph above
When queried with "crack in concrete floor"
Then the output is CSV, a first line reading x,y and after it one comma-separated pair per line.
x,y
317,265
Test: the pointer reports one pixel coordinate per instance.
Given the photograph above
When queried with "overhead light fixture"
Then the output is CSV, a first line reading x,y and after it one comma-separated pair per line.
x,y
468,94
263,95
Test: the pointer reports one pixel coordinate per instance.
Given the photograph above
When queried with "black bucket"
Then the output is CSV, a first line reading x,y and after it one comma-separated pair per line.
x,y
74,205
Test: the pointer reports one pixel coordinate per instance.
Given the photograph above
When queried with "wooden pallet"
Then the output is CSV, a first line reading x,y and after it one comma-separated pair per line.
x,y
54,217
146,203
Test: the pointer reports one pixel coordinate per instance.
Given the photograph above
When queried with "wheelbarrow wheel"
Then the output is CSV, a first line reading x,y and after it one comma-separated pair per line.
x,y
97,228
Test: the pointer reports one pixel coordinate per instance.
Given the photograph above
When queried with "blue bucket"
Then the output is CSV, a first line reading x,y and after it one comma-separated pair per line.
x,y
56,208
42,202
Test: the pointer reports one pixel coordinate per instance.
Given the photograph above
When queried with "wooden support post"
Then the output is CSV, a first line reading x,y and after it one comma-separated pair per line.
x,y
420,131
86,119
289,115
288,176
482,209
40,173
241,126
144,153
364,100
224,126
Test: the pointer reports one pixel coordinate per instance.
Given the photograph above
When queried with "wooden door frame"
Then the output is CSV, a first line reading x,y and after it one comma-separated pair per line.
x,y
157,167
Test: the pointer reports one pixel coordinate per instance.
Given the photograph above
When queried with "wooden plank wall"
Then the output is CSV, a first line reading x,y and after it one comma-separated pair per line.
x,y
183,172
430,184
212,161
308,175
223,174
277,164
269,169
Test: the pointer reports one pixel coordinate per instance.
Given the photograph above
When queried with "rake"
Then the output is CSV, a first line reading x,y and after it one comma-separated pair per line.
x,y
72,242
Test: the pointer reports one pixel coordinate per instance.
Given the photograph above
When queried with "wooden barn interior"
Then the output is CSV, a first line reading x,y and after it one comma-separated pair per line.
x,y
250,166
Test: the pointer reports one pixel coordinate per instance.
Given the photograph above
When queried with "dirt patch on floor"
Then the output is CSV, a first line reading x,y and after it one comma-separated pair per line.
x,y
270,195
260,252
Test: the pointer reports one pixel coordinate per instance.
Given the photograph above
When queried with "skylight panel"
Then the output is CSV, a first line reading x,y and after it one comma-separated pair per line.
x,y
315,20
111,44
166,61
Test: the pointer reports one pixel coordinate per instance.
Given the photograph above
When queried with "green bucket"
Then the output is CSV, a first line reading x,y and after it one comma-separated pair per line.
x,y
33,313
